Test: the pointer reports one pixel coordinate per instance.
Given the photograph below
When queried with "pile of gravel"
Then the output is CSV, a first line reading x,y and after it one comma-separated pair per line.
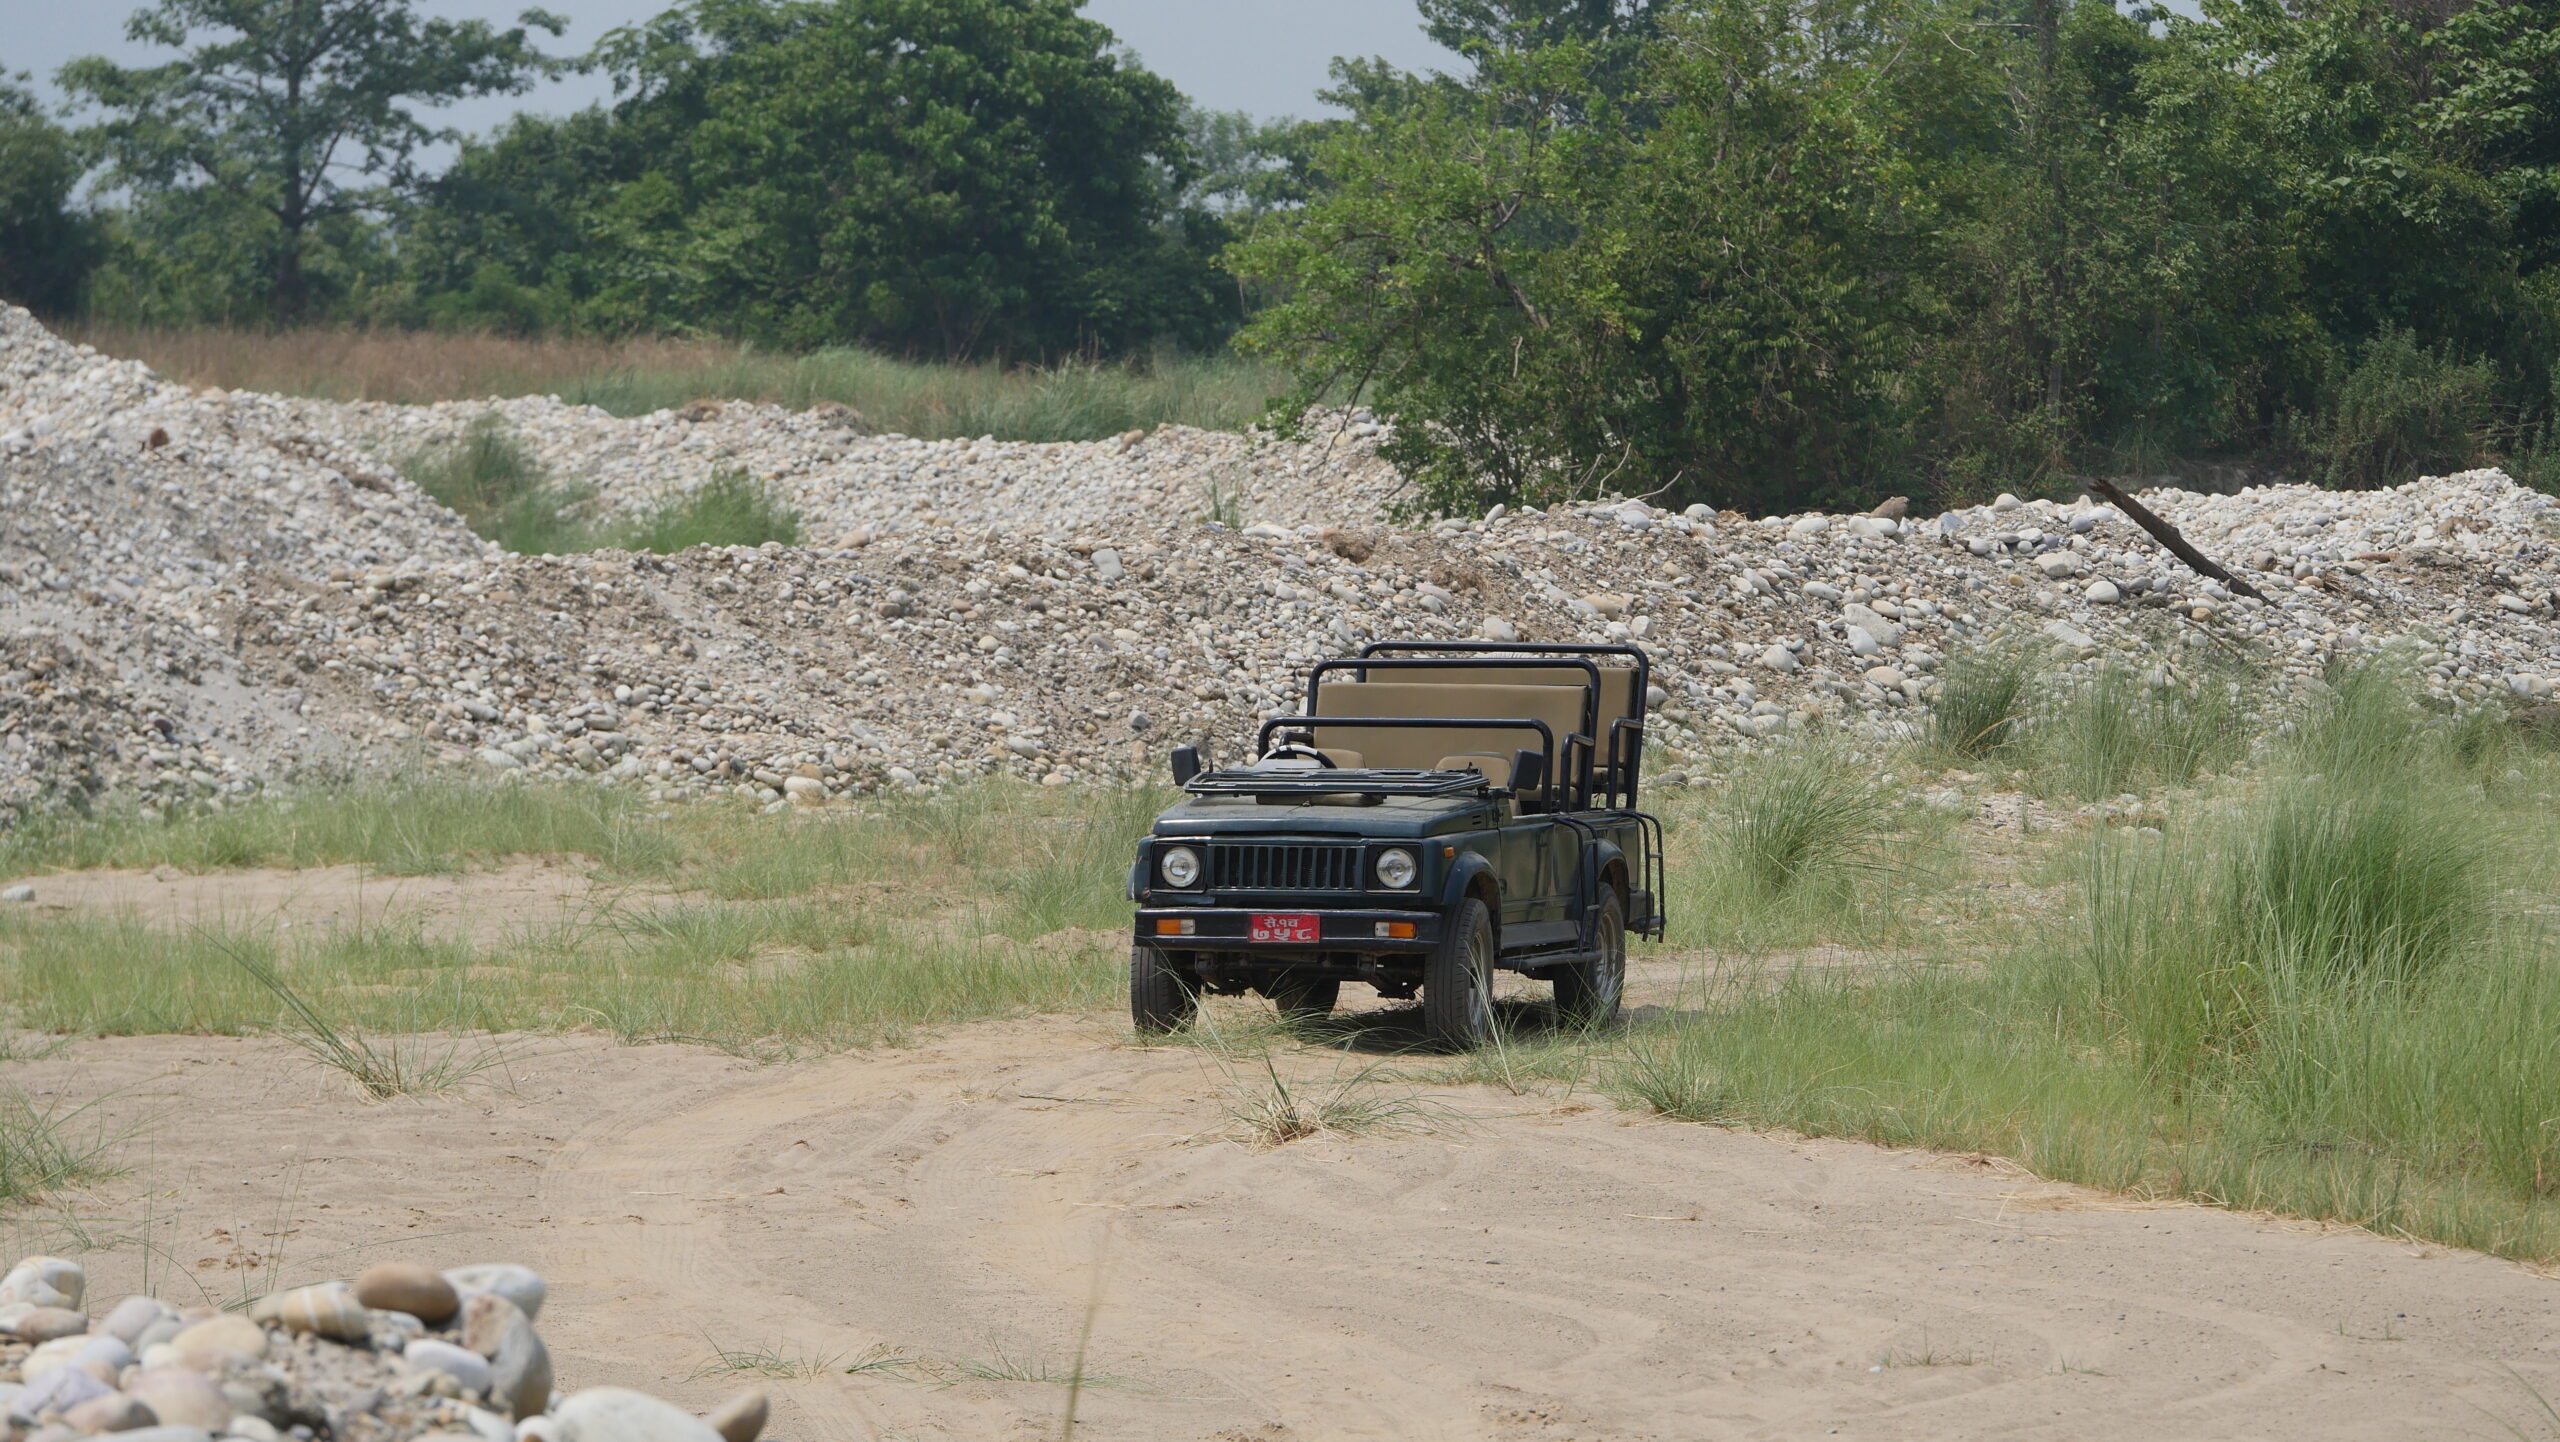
x,y
261,594
847,483
401,1352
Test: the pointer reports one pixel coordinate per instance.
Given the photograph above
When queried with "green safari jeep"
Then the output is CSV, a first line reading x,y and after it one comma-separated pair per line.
x,y
1442,809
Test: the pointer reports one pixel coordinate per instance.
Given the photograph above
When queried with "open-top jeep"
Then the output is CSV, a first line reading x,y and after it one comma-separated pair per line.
x,y
1441,810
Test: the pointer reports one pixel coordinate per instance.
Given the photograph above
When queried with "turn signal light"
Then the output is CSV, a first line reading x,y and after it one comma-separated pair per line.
x,y
1396,930
1168,927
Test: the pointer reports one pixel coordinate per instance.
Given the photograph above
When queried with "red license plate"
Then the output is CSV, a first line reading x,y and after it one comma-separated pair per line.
x,y
1286,926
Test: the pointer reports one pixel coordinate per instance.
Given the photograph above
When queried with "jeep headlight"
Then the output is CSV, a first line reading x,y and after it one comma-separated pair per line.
x,y
1180,866
1396,868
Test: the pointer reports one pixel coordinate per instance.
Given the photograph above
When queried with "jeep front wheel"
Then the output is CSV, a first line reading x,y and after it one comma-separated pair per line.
x,y
1588,992
1457,979
1164,992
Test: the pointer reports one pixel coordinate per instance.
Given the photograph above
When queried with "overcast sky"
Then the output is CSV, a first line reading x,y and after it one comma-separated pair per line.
x,y
1263,56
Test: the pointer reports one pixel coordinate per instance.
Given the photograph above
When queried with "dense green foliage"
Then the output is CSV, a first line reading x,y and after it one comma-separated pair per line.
x,y
1825,250
45,246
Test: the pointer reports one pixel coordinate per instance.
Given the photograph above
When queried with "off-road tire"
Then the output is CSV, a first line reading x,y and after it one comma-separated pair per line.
x,y
1164,992
1588,992
1304,997
1457,979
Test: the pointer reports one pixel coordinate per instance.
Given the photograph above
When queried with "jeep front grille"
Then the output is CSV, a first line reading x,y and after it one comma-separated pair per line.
x,y
1283,866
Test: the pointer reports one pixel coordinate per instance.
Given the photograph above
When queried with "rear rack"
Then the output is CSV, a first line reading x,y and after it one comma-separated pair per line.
x,y
1247,782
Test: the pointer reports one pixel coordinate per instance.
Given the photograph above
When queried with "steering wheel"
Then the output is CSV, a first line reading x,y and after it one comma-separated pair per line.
x,y
1299,751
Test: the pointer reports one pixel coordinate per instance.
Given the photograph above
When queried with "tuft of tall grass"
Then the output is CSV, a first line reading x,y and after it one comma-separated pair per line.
x,y
1982,698
1074,401
1803,843
39,1154
503,494
1272,1111
2116,734
381,1070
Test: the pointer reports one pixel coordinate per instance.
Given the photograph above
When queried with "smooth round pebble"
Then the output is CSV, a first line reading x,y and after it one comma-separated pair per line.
x,y
460,1363
227,1335
422,1292
115,1412
520,1285
615,1414
742,1418
46,1282
49,1324
327,1309
132,1316
183,1397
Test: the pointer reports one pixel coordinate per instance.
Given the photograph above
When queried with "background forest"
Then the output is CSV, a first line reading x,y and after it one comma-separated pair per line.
x,y
1768,254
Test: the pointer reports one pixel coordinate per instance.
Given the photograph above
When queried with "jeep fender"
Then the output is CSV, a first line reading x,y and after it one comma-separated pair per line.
x,y
1605,855
1464,875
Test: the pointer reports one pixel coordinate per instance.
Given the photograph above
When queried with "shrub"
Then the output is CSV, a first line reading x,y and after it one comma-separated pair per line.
x,y
2404,411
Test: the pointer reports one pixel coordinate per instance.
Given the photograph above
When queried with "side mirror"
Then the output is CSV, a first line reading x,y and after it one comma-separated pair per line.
x,y
1528,771
1186,764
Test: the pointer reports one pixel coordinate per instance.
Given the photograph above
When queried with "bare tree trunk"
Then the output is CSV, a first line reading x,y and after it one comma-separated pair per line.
x,y
2169,536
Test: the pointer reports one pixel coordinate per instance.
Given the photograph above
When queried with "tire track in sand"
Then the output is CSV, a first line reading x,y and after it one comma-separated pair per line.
x,y
1552,1271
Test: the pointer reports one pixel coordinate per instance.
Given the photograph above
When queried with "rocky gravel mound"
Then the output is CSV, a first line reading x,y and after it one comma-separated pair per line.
x,y
849,484
201,592
401,1352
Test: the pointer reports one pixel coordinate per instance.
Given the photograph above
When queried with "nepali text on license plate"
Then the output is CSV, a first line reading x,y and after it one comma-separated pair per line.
x,y
1286,926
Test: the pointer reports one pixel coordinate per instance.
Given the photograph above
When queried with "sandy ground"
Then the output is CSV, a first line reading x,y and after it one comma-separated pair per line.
x,y
1553,1269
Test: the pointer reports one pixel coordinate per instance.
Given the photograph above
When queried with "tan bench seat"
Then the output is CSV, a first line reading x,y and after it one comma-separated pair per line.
x,y
1618,698
1419,748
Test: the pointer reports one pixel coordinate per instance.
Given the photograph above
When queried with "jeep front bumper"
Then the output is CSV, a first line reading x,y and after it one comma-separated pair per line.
x,y
1231,928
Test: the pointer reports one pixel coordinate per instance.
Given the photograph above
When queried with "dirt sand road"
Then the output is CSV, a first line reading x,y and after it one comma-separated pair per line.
x,y
1556,1270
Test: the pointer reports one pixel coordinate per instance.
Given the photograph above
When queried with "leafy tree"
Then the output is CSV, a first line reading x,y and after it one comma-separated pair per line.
x,y
46,247
302,110
1616,32
1558,298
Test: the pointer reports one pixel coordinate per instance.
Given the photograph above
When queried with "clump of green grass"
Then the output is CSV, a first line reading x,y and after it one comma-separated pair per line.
x,y
39,1154
732,508
773,1362
1523,1062
1803,817
1802,843
2116,734
381,1069
1982,699
1010,1367
502,493
1273,1111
